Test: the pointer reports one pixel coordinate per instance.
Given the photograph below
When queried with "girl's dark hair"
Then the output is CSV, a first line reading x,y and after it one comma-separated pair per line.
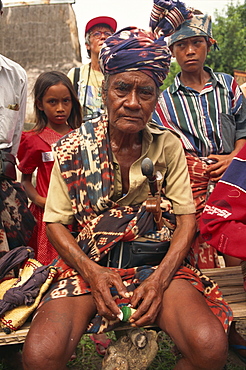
x,y
44,81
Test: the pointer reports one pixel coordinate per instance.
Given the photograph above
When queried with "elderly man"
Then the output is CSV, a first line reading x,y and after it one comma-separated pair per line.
x,y
97,181
87,79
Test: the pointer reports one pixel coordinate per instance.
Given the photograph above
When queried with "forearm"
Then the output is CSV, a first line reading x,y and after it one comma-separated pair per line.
x,y
26,181
183,237
67,247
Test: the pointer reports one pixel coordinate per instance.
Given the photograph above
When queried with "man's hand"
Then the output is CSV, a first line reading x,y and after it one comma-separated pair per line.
x,y
149,297
101,280
217,169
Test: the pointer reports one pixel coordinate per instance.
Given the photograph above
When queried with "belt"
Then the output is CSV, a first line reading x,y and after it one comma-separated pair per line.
x,y
133,254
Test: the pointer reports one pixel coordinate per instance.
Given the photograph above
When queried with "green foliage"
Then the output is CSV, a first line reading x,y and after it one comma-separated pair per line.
x,y
174,69
230,33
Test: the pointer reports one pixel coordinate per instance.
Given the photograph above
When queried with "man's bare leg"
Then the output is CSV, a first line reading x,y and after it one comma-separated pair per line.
x,y
195,330
56,331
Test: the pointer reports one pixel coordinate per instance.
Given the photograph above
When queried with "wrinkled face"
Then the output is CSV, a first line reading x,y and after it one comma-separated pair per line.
x,y
130,99
56,104
98,34
190,53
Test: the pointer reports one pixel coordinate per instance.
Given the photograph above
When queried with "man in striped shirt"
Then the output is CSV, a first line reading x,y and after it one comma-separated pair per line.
x,y
207,110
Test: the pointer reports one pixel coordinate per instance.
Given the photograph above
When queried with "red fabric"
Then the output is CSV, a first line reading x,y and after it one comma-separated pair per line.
x,y
44,251
68,283
30,151
223,223
202,255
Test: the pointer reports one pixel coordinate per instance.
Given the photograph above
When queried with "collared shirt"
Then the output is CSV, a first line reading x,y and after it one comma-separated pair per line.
x,y
13,96
164,149
89,83
208,122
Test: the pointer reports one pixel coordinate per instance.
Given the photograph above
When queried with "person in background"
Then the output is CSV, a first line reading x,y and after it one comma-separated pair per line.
x,y
87,79
97,180
207,109
16,221
57,111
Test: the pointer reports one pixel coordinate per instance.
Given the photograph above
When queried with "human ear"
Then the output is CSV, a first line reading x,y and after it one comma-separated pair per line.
x,y
39,104
88,47
171,49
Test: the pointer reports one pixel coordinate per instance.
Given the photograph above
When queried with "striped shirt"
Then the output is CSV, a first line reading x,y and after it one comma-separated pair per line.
x,y
208,122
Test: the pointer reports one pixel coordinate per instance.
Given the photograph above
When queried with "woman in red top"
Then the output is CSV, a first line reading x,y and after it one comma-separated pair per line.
x,y
57,112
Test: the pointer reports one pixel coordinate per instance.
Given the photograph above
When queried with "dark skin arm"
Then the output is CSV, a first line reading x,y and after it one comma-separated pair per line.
x,y
217,169
150,293
26,181
99,278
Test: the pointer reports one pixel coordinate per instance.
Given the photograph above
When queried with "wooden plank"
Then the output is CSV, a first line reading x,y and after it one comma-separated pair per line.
x,y
15,337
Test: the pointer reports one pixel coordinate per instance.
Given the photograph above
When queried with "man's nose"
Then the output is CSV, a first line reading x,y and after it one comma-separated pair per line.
x,y
133,100
190,49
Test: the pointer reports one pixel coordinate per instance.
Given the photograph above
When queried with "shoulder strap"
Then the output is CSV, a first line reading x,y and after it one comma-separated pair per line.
x,y
76,78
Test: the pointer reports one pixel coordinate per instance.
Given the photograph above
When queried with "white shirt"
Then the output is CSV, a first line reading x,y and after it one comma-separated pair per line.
x,y
13,96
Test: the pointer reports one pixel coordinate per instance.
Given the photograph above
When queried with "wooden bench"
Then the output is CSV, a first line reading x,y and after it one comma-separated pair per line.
x,y
230,280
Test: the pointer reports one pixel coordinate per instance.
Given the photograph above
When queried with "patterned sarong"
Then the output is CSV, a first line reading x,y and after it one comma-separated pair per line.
x,y
85,162
204,255
16,220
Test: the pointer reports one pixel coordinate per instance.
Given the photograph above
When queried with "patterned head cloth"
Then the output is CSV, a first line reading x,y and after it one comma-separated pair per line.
x,y
198,25
133,49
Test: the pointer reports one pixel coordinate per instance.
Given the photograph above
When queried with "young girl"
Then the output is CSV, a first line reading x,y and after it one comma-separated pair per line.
x,y
57,112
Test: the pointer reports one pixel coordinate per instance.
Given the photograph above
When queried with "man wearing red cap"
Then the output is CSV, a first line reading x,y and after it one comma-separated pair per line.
x,y
88,78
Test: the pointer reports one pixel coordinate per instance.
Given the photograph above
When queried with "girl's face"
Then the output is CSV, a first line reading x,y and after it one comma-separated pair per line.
x,y
56,104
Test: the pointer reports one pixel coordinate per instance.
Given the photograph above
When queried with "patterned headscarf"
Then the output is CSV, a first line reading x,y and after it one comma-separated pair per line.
x,y
198,25
134,49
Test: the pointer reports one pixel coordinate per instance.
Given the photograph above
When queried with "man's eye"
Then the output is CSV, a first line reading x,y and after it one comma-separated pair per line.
x,y
146,93
121,88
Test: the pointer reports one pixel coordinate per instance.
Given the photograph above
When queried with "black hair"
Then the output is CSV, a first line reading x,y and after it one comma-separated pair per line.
x,y
44,81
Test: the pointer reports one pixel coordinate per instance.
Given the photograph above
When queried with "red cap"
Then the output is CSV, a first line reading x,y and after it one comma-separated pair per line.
x,y
111,22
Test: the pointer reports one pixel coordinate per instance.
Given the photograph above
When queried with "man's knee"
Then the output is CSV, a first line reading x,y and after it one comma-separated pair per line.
x,y
44,352
208,347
